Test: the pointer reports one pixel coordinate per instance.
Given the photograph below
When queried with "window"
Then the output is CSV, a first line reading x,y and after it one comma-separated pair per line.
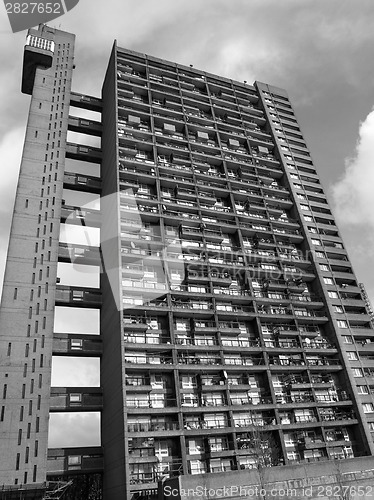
x,y
364,389
338,309
74,460
352,356
320,255
324,267
197,467
203,136
75,398
316,242
357,372
332,295
347,339
195,446
76,344
328,281
342,324
368,407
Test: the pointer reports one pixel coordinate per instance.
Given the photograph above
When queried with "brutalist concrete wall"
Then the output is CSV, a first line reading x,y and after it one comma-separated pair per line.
x,y
340,479
28,298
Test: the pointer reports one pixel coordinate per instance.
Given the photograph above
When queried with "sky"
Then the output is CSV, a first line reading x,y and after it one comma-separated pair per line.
x,y
320,51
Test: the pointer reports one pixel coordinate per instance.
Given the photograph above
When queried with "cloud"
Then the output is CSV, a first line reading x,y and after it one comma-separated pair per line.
x,y
353,193
74,429
70,371
76,320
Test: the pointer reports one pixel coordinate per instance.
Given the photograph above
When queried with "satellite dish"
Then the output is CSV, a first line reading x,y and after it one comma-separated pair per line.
x,y
307,340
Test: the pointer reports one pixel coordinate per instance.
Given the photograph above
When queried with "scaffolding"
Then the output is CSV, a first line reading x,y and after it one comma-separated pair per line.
x,y
51,490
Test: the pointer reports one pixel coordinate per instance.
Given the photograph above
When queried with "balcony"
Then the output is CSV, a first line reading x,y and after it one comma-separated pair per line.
x,y
133,271
297,382
193,233
194,277
153,427
135,169
299,397
227,309
126,184
329,415
229,328
332,398
308,314
240,342
191,307
203,327
310,443
274,311
144,241
237,295
149,358
135,323
198,358
188,290
282,344
136,403
185,194
317,344
323,361
207,198
239,360
294,361
200,341
151,339
204,424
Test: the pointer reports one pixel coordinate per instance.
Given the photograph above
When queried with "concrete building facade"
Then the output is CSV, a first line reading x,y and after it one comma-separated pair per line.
x,y
232,328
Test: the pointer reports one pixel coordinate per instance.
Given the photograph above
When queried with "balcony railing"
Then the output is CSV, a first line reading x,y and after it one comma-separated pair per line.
x,y
245,361
192,305
337,415
194,360
329,398
241,342
149,403
153,427
148,359
147,339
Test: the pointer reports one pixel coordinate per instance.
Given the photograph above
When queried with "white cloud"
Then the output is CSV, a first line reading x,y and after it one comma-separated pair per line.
x,y
353,193
76,320
70,371
74,429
